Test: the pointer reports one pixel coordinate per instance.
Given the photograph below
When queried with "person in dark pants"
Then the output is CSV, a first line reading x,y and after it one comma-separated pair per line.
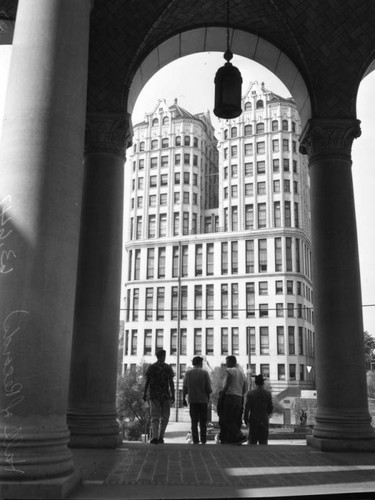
x,y
232,403
160,388
197,386
258,408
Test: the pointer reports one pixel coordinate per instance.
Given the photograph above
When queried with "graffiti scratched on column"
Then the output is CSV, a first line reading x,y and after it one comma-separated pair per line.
x,y
11,328
6,255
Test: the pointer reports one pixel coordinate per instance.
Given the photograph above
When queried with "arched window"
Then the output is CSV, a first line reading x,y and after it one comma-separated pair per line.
x,y
275,125
260,128
248,130
187,140
142,146
165,120
248,106
155,122
178,140
284,125
225,134
165,143
260,104
233,132
154,144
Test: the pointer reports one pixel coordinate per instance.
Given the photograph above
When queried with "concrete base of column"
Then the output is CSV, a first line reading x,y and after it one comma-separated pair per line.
x,y
86,441
326,444
41,489
93,430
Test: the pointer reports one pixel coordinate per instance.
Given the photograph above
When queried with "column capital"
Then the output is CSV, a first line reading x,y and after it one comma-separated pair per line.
x,y
108,133
329,137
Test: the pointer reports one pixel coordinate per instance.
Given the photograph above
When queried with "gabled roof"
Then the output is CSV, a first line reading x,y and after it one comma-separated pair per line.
x,y
180,112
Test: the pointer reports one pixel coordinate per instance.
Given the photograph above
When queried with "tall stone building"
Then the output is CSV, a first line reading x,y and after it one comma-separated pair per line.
x,y
221,231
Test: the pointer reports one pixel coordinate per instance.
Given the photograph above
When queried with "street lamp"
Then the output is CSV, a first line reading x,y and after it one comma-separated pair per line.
x,y
228,81
249,354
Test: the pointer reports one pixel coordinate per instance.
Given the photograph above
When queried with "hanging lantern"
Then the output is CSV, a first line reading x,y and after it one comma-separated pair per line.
x,y
228,82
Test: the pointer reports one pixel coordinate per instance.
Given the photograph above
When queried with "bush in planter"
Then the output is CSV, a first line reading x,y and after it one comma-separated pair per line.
x,y
133,431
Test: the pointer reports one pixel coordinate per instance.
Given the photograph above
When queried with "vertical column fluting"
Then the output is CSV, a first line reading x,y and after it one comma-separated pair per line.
x,y
342,419
40,192
92,400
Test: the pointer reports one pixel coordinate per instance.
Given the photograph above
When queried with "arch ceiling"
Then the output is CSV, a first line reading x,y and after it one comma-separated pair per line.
x,y
330,43
211,39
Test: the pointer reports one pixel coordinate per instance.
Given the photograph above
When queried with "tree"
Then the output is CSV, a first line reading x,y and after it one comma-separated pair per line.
x,y
371,384
369,347
130,389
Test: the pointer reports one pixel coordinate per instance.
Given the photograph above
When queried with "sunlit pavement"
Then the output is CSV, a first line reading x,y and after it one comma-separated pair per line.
x,y
177,470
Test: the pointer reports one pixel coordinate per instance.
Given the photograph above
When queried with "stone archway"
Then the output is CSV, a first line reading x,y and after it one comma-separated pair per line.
x,y
212,39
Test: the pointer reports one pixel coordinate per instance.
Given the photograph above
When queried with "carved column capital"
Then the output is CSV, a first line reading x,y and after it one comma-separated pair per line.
x,y
324,137
108,133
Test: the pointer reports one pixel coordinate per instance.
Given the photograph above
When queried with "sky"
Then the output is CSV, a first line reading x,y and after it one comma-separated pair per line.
x,y
191,80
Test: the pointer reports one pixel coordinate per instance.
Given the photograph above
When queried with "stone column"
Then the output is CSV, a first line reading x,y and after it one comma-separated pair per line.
x,y
92,402
342,419
40,194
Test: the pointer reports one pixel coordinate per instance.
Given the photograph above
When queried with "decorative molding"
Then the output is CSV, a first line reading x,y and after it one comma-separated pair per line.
x,y
329,137
108,133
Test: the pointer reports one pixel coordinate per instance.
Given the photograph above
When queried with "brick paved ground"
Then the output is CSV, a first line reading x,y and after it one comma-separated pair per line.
x,y
140,470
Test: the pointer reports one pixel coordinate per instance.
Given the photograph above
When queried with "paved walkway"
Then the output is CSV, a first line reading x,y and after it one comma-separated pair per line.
x,y
177,470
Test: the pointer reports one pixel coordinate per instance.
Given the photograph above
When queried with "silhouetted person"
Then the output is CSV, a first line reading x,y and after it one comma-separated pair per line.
x,y
232,403
159,383
258,408
197,386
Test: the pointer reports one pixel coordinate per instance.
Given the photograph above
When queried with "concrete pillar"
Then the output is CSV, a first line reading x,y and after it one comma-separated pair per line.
x,y
40,195
342,419
92,401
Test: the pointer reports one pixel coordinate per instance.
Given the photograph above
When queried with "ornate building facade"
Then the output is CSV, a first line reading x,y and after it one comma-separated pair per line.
x,y
220,231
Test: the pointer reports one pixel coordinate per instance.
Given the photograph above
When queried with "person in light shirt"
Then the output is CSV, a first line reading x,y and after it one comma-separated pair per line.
x,y
197,386
232,397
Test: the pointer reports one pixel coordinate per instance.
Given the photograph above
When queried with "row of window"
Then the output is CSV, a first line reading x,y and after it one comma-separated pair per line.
x,y
187,198
288,255
260,128
282,217
294,371
290,287
185,159
155,307
179,178
261,188
249,191
260,168
260,148
164,161
164,143
198,341
184,178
